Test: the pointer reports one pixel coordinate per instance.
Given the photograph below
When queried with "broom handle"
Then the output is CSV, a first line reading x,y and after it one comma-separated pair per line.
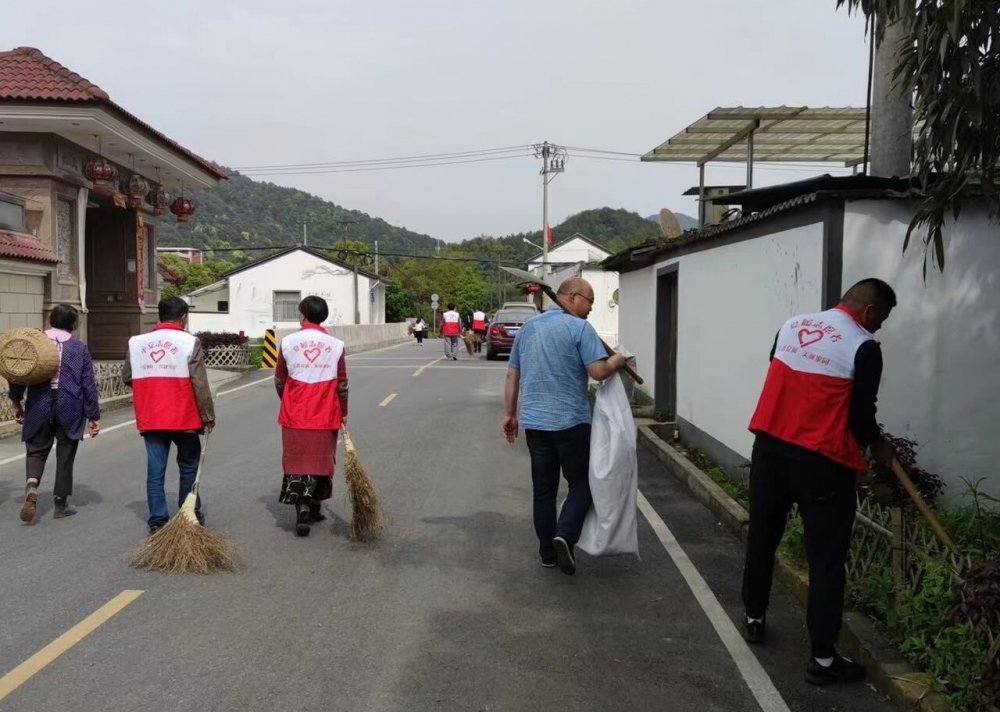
x,y
914,493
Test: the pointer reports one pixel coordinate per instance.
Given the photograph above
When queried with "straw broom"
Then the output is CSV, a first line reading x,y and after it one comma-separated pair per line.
x,y
469,340
367,521
182,545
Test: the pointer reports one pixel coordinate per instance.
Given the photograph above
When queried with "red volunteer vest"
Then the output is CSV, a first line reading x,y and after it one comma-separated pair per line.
x,y
161,382
478,321
310,400
451,324
806,397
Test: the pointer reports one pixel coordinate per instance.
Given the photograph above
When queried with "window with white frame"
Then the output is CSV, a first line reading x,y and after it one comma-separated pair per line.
x,y
286,306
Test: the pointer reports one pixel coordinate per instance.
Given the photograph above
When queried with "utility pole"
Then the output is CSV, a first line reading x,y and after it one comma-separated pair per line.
x,y
376,258
553,163
305,236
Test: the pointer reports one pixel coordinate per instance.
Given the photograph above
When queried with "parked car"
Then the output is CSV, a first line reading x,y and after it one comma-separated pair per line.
x,y
530,306
504,327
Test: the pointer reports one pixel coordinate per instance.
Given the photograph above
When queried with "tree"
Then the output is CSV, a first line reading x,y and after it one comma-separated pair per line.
x,y
194,275
949,61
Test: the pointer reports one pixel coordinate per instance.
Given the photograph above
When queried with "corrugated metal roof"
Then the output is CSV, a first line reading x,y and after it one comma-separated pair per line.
x,y
781,133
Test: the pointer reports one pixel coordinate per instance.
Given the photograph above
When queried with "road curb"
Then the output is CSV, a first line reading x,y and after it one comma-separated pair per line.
x,y
908,688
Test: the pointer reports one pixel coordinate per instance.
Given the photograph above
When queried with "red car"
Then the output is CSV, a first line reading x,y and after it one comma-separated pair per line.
x,y
504,327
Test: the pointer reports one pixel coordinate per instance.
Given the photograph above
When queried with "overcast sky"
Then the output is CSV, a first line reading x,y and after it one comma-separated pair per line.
x,y
261,82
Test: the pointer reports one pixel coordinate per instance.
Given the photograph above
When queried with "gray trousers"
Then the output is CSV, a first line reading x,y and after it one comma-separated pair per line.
x,y
38,449
450,346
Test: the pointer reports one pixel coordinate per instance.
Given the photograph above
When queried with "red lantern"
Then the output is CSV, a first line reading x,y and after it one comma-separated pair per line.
x,y
158,199
183,208
101,173
135,189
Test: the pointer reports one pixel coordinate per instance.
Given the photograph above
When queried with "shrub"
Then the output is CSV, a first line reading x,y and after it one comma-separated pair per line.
x,y
256,356
210,339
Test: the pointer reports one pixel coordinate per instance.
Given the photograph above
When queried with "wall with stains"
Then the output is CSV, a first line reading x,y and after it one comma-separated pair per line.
x,y
941,345
732,300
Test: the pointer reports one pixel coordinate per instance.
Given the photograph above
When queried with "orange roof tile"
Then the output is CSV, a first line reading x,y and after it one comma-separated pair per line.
x,y
28,75
24,246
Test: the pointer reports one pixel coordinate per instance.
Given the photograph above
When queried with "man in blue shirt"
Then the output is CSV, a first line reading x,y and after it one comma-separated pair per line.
x,y
550,361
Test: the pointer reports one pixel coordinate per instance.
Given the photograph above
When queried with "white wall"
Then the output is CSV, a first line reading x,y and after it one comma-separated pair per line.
x,y
209,301
941,345
637,321
604,315
251,294
575,250
732,300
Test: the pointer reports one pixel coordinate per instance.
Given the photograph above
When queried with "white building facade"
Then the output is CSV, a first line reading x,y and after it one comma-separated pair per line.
x,y
581,257
265,294
701,314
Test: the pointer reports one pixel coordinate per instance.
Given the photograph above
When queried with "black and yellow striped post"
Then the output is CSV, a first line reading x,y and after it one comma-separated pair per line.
x,y
270,356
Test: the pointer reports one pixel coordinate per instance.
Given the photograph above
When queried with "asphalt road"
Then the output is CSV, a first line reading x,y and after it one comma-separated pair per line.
x,y
450,612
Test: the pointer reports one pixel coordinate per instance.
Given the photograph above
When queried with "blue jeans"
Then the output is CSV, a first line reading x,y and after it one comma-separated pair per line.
x,y
157,451
552,451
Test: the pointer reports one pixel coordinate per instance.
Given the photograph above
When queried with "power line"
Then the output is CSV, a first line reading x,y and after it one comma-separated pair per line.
x,y
380,167
400,159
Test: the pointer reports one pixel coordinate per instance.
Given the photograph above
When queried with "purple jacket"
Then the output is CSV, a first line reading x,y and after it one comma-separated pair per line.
x,y
77,398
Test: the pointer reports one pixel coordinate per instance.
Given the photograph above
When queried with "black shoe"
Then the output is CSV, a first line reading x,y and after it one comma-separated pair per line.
x,y
315,515
62,509
153,528
30,503
754,631
842,670
200,517
564,556
302,521
549,561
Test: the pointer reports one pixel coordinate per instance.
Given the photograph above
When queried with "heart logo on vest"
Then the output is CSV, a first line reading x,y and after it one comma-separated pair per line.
x,y
311,354
157,355
809,336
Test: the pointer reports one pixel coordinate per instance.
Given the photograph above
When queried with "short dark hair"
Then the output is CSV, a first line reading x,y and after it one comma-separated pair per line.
x,y
314,309
172,309
872,291
451,306
64,317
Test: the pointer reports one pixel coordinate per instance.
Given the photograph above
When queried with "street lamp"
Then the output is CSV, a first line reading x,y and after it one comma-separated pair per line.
x,y
524,239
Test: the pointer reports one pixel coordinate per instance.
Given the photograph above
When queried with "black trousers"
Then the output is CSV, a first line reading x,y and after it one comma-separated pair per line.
x,y
551,451
420,336
40,445
781,474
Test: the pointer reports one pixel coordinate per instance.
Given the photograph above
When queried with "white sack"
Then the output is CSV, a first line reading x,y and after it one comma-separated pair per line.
x,y
610,526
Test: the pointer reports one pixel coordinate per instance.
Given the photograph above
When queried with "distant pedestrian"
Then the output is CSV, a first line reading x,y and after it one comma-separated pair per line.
x,y
173,404
552,356
311,380
815,414
451,329
57,412
419,330
479,328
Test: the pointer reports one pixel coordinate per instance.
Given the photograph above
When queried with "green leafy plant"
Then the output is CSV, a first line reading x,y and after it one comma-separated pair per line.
x,y
949,62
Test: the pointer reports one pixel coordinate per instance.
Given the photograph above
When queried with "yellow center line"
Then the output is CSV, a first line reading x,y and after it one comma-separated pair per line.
x,y
23,672
426,365
388,399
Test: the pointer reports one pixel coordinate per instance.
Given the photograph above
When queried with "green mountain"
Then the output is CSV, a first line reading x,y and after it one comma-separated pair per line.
x,y
240,216
244,213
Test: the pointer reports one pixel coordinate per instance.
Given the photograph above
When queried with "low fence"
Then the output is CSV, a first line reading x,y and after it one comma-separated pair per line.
x,y
109,385
231,356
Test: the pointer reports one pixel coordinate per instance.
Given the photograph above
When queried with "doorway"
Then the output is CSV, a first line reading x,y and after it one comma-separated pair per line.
x,y
665,391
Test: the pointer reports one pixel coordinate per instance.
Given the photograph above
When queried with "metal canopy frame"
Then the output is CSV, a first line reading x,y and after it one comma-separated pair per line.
x,y
791,134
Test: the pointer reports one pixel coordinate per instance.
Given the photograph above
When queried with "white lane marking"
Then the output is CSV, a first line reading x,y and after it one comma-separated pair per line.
x,y
757,679
388,399
126,423
421,369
